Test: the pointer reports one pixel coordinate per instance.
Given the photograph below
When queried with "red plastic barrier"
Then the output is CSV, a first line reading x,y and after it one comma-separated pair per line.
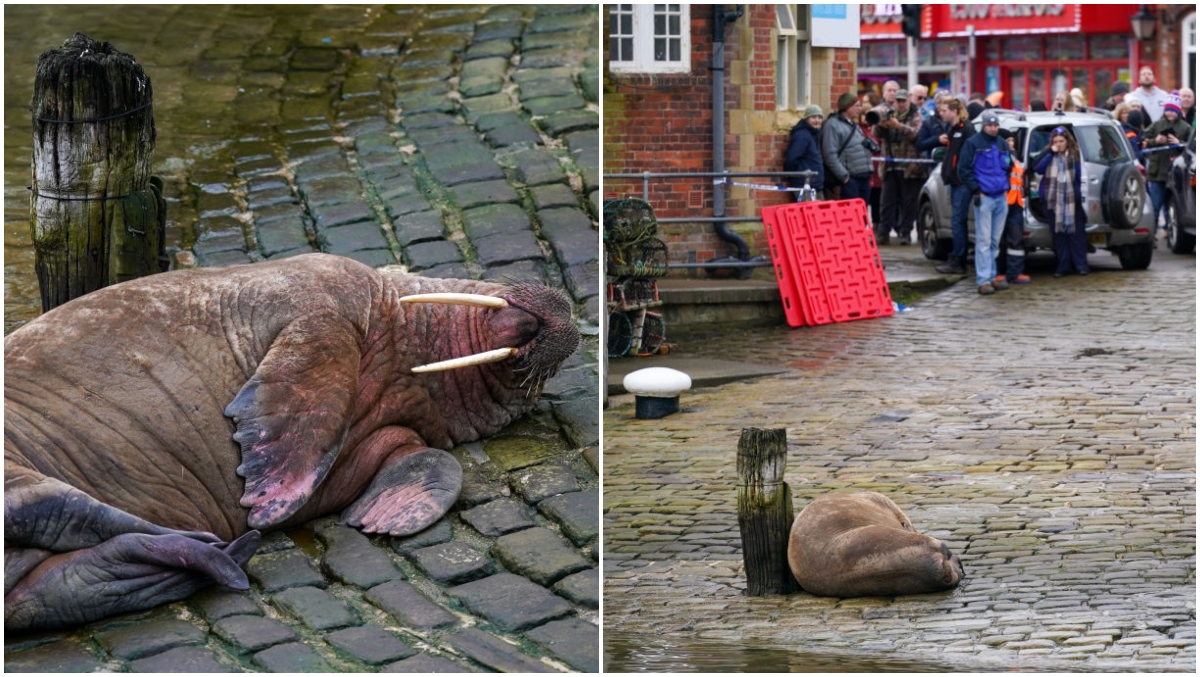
x,y
826,262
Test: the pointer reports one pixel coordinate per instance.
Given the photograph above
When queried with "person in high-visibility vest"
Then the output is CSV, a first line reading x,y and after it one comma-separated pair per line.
x,y
1012,255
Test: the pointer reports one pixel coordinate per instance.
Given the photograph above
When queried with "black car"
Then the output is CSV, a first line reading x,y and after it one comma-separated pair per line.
x,y
1180,203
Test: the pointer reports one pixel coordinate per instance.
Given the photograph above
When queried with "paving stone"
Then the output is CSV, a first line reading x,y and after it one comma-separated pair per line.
x,y
483,193
60,656
583,280
181,659
137,641
539,554
292,657
578,513
493,652
351,558
420,227
282,570
555,195
456,163
316,608
215,604
251,633
547,106
573,640
563,122
582,588
506,128
494,250
536,167
511,602
373,258
220,243
351,238
410,607
370,644
431,254
498,517
291,212
424,663
543,481
571,234
333,215
495,220
281,236
453,271
519,271
452,562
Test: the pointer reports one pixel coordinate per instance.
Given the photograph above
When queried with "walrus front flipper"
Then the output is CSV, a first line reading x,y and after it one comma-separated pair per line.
x,y
128,573
292,415
411,491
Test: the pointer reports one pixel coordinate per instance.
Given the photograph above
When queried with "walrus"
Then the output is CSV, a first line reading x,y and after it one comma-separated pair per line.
x,y
153,428
861,544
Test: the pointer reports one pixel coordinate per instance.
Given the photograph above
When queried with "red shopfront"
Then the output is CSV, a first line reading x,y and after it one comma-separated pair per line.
x,y
1027,51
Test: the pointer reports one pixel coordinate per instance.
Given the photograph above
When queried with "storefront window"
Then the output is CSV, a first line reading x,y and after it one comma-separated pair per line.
x,y
1103,83
991,50
1018,90
1113,46
1037,87
946,51
925,53
880,54
1065,48
1080,77
1022,49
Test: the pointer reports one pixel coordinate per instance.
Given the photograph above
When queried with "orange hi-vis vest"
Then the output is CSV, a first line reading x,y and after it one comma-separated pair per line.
x,y
1016,183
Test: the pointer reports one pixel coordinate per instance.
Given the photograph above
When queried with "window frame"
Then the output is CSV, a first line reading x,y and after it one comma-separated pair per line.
x,y
644,37
793,57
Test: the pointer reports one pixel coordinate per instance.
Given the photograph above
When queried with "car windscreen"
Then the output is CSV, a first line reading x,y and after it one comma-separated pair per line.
x,y
1100,144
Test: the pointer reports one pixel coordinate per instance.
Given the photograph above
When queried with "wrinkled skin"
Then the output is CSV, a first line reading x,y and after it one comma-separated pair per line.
x,y
861,544
152,428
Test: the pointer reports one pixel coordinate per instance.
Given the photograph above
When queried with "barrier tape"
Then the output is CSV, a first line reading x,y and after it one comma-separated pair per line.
x,y
902,160
754,186
1172,146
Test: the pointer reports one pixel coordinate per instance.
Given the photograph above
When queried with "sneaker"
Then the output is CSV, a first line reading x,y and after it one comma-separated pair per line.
x,y
1000,283
1000,278
1022,279
987,289
951,267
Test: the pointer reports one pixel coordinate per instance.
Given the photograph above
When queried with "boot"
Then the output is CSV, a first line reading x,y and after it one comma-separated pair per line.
x,y
952,266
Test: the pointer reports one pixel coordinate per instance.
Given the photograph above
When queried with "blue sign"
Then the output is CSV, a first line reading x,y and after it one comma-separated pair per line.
x,y
829,11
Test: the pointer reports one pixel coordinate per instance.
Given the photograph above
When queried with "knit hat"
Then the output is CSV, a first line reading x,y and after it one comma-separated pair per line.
x,y
990,118
1120,87
1173,104
813,110
1134,119
974,109
845,101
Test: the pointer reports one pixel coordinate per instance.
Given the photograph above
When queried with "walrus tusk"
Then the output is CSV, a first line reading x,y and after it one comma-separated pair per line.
x,y
470,360
457,299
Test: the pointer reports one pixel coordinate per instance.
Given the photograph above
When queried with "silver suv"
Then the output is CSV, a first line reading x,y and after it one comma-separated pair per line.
x,y
1119,215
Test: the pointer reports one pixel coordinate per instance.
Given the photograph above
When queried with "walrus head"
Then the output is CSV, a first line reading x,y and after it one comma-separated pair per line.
x,y
528,324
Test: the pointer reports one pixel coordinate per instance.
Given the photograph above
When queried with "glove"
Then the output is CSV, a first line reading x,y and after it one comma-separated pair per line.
x,y
978,201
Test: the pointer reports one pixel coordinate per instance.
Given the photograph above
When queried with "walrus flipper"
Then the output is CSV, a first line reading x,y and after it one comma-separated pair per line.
x,y
412,490
292,415
128,573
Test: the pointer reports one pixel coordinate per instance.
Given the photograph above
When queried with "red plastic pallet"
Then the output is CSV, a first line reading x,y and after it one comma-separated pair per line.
x,y
831,260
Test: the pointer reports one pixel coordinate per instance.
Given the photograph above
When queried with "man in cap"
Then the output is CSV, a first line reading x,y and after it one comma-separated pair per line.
x,y
804,151
847,151
1120,89
984,168
901,180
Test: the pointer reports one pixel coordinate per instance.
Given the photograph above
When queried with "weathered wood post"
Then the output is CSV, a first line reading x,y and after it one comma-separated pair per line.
x,y
97,216
764,511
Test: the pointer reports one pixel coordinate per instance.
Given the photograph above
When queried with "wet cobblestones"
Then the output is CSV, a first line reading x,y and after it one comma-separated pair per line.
x,y
1047,434
455,141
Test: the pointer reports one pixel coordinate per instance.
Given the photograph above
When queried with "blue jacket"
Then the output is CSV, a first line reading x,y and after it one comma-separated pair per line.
x,y
931,129
804,154
985,164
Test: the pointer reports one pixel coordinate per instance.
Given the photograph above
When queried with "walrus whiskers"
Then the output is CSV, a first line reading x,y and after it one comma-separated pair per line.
x,y
478,300
468,361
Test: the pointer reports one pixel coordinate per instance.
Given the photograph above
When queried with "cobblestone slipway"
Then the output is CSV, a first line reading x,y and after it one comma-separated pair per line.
x,y
459,141
1046,433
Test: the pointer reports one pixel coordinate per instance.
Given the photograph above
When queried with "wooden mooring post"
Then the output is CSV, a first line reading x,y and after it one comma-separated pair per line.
x,y
764,511
97,215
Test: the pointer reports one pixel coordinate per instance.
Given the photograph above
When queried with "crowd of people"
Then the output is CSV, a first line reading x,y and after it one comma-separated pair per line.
x,y
879,149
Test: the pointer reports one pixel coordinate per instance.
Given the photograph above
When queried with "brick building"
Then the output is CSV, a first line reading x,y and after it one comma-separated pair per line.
x,y
658,107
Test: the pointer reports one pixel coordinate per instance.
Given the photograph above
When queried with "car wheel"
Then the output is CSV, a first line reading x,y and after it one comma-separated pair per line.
x,y
1124,196
933,247
1179,241
1136,256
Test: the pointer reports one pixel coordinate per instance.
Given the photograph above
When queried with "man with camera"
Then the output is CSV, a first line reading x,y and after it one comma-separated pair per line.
x,y
847,151
902,181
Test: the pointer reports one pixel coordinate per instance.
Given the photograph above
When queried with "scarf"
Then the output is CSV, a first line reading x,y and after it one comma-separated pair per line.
x,y
1060,192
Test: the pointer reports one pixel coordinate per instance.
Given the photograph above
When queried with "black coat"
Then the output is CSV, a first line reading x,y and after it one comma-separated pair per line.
x,y
804,154
958,134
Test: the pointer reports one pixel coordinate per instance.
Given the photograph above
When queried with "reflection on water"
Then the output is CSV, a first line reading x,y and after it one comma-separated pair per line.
x,y
630,652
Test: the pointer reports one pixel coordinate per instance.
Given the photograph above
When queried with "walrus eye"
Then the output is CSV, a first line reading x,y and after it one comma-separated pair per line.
x,y
478,300
468,361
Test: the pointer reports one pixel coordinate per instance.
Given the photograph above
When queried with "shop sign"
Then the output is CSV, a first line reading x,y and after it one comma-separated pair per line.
x,y
834,26
953,20
880,21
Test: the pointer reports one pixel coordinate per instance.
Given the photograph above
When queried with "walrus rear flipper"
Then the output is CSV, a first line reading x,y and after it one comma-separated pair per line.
x,y
292,415
128,573
412,490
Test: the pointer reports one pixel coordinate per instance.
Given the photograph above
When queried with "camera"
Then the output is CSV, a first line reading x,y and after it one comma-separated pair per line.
x,y
878,114
870,145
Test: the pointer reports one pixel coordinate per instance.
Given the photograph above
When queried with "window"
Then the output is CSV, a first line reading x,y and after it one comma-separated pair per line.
x,y
1189,50
649,39
792,78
